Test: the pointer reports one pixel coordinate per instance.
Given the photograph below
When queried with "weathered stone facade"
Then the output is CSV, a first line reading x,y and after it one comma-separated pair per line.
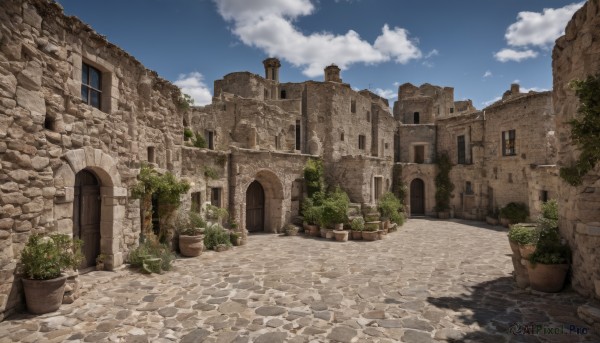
x,y
260,130
576,56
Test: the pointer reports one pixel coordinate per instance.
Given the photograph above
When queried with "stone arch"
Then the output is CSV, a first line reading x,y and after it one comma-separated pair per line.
x,y
417,197
112,211
274,197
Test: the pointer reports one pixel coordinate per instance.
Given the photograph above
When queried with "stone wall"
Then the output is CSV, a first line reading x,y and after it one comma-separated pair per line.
x,y
356,175
48,135
576,55
417,135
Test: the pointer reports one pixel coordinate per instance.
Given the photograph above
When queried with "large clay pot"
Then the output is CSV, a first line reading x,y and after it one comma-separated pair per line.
x,y
341,235
338,226
514,246
323,232
370,235
492,220
547,277
191,246
313,230
526,250
356,235
385,225
44,296
444,215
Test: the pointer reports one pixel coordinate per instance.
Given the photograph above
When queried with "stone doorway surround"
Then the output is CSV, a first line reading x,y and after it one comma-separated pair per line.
x,y
112,194
273,200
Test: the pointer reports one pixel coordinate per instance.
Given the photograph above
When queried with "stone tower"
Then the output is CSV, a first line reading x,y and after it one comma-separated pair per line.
x,y
332,73
272,68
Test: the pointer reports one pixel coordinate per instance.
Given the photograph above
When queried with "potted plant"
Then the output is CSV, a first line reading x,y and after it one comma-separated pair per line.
x,y
311,215
291,230
100,261
191,227
370,232
215,237
522,239
335,209
513,212
357,225
549,264
389,206
216,214
43,261
151,256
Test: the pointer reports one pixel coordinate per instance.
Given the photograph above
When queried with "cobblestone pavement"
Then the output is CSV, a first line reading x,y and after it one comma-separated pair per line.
x,y
430,281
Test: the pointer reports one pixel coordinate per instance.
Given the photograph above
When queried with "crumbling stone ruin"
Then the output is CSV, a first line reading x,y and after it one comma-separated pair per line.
x,y
79,116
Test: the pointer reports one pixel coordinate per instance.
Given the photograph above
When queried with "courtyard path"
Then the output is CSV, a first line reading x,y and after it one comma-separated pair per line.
x,y
430,281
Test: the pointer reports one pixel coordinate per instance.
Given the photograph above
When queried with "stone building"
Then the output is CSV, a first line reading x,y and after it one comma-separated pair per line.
x,y
78,117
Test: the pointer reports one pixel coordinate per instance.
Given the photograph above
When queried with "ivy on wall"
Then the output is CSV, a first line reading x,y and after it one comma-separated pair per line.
x,y
585,130
443,184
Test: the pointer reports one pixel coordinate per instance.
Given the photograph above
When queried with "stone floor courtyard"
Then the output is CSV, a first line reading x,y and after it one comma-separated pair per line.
x,y
431,281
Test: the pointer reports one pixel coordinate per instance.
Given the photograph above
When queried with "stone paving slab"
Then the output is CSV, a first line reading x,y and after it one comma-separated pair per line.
x,y
431,281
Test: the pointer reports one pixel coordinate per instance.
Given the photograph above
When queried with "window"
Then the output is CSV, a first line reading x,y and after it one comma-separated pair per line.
x,y
451,109
378,188
196,202
298,135
210,138
342,136
543,196
419,154
416,118
277,143
460,142
353,106
369,116
283,94
361,142
215,197
266,94
508,143
151,154
468,187
91,86
49,123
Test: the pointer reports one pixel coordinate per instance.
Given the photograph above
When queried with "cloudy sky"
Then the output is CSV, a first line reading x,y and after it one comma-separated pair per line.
x,y
478,47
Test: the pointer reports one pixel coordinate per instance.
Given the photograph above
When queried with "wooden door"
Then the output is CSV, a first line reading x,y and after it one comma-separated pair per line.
x,y
417,197
86,216
255,207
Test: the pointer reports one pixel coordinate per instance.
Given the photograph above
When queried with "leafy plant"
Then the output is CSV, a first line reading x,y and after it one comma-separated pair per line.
x,y
313,174
443,184
150,249
216,213
166,187
215,235
188,133
389,205
550,248
198,141
335,208
45,257
585,130
211,173
515,212
524,235
184,102
189,223
398,186
310,212
357,224
398,218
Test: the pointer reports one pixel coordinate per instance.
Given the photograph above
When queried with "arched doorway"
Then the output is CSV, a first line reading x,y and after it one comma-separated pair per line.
x,y
417,197
255,207
86,216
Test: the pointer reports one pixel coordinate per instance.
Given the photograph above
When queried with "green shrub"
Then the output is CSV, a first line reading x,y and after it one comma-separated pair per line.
x,y
515,212
215,235
335,208
189,223
216,213
357,224
151,249
313,174
389,206
523,235
46,257
550,248
187,133
549,217
443,184
398,218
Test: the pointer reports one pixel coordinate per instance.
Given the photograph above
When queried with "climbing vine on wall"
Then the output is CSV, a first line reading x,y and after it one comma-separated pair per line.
x,y
443,184
585,130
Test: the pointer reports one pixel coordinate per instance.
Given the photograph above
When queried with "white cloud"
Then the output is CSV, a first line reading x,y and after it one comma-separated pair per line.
x,y
432,53
268,25
508,54
540,29
489,102
396,83
386,93
488,74
534,89
428,64
516,81
193,85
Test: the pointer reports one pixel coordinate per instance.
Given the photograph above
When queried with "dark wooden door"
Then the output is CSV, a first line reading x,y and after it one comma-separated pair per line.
x,y
86,216
417,197
255,207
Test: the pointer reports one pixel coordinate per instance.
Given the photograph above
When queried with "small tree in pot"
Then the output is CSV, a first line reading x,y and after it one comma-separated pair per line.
x,y
42,262
357,225
389,206
191,227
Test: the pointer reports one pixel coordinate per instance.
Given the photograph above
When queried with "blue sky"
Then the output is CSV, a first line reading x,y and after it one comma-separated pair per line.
x,y
478,47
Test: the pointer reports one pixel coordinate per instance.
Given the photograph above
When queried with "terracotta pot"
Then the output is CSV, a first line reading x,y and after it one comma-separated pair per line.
x,y
514,246
323,232
329,234
44,296
313,230
526,250
191,246
356,235
291,232
341,235
444,215
491,220
547,277
338,226
370,235
382,234
385,225
305,226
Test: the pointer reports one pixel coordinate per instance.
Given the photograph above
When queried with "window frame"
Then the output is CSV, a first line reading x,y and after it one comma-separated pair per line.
x,y
89,89
461,147
362,142
509,142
